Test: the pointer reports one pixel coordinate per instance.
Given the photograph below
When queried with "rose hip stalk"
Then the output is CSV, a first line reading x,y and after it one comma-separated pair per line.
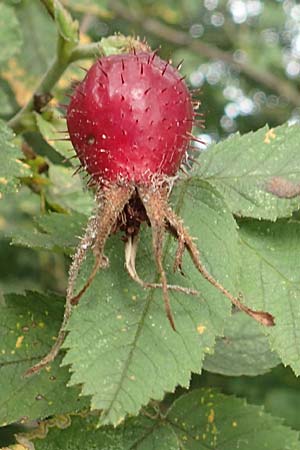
x,y
130,121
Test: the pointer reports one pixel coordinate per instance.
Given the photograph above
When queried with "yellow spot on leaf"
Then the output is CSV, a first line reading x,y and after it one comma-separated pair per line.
x,y
15,75
41,325
48,368
119,317
26,166
211,416
234,424
133,297
3,180
269,135
19,341
132,377
201,329
17,447
3,222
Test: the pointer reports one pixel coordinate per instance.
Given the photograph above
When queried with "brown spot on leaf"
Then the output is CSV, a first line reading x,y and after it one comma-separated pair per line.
x,y
282,188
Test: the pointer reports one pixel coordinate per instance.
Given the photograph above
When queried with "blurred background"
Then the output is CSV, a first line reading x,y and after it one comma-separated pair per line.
x,y
242,57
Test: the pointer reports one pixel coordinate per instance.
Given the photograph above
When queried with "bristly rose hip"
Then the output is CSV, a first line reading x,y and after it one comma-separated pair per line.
x,y
130,123
129,119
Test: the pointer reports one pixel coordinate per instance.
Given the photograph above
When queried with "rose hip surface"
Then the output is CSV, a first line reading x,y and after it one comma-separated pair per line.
x,y
129,118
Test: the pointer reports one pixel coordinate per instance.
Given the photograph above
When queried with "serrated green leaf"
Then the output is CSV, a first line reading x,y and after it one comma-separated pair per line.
x,y
243,350
286,400
32,238
240,168
11,167
271,254
50,130
138,434
66,190
53,232
10,34
6,103
27,327
65,229
202,419
205,419
121,346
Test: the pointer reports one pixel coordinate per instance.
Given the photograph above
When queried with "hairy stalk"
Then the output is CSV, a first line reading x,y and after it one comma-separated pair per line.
x,y
155,202
130,256
114,199
78,258
97,231
183,236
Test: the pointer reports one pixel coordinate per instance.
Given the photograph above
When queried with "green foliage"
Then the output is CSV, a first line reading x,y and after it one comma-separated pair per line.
x,y
242,166
203,419
126,329
39,42
58,232
11,167
10,35
27,326
243,350
67,27
48,129
272,253
107,387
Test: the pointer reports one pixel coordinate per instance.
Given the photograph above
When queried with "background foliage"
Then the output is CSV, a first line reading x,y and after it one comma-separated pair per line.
x,y
244,55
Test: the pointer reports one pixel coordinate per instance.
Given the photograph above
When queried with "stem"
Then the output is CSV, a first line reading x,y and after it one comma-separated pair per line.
x,y
49,6
86,51
51,77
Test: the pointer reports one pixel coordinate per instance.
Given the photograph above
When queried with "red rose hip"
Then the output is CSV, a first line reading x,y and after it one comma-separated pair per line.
x,y
129,121
129,118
